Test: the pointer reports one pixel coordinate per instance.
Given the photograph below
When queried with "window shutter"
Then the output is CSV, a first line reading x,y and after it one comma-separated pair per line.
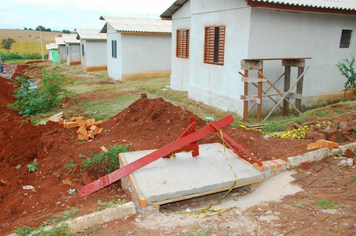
x,y
221,45
182,43
209,44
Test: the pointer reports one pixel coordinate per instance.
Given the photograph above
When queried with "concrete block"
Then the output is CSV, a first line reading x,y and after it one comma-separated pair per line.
x,y
309,157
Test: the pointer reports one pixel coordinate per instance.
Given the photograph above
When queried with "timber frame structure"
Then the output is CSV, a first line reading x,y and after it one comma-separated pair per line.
x,y
257,64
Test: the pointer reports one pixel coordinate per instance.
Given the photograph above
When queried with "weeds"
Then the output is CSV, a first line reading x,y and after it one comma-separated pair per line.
x,y
327,204
112,203
33,166
32,100
69,166
346,67
105,161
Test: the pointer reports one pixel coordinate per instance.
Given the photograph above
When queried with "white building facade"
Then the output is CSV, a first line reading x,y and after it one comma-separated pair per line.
x,y
258,29
137,47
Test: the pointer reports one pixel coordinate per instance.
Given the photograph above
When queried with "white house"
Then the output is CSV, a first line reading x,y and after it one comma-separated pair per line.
x,y
49,49
93,49
137,47
61,49
72,49
210,39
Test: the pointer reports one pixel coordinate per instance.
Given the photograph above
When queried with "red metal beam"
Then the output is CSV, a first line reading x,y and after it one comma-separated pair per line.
x,y
138,164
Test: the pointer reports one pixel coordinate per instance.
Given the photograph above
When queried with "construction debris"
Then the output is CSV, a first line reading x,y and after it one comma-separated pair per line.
x,y
322,143
87,128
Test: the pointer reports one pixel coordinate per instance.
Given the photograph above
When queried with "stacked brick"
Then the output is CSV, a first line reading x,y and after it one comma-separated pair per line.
x,y
332,134
88,129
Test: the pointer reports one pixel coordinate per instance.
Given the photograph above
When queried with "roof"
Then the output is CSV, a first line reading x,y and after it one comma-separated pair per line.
x,y
90,34
60,41
53,46
137,25
70,39
173,9
344,5
326,4
48,47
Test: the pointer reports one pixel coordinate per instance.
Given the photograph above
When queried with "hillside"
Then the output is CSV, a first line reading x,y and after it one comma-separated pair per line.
x,y
28,41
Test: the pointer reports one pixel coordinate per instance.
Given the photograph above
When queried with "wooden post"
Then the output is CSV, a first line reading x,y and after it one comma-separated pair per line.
x,y
259,95
286,88
245,94
298,102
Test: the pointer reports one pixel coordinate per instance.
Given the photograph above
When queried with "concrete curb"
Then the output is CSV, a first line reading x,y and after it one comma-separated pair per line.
x,y
317,155
86,221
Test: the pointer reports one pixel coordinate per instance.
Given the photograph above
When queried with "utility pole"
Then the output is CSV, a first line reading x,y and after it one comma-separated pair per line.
x,y
41,44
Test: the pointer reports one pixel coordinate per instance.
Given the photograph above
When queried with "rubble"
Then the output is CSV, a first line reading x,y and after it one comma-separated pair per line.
x,y
88,129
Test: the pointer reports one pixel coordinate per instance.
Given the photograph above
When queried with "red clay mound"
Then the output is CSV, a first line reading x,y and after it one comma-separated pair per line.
x,y
6,93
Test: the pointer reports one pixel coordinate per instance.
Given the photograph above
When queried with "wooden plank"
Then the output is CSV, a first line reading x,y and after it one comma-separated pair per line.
x,y
250,99
293,62
299,91
295,96
251,65
252,80
286,94
259,106
286,88
244,118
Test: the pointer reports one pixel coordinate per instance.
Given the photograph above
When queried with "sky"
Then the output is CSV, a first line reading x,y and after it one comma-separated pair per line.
x,y
71,14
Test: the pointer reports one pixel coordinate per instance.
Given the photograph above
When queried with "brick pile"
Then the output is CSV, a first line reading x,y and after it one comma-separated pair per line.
x,y
88,129
331,135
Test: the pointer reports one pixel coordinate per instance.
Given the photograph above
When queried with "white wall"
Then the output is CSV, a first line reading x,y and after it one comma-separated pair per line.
x,y
114,64
287,34
83,59
73,56
50,57
145,54
180,71
215,84
96,53
62,53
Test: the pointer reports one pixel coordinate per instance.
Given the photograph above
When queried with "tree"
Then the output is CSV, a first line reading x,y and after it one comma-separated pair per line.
x,y
40,27
6,43
48,29
25,28
30,29
66,31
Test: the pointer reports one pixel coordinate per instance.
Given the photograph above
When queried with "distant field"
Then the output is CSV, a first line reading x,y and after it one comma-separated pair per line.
x,y
28,41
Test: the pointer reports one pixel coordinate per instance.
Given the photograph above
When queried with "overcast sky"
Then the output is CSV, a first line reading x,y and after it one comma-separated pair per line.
x,y
71,14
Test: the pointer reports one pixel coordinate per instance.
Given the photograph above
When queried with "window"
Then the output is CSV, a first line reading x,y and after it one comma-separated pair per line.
x,y
114,48
182,43
345,38
67,50
82,49
214,45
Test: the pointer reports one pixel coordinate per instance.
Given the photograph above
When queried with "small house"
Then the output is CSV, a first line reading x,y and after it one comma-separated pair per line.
x,y
54,51
72,49
137,47
61,49
49,49
212,40
93,51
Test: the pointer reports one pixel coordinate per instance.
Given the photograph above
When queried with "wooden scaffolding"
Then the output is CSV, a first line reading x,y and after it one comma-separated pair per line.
x,y
257,64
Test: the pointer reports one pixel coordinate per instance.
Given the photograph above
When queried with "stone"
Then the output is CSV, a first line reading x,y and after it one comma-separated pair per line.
x,y
337,138
318,136
350,162
348,153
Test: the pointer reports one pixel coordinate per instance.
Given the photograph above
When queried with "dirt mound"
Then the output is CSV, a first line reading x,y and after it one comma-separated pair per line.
x,y
6,93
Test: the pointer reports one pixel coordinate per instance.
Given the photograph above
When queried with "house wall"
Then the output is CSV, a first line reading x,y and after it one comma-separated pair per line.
x,y
95,55
83,59
50,58
218,85
145,55
180,71
114,64
73,57
62,53
289,34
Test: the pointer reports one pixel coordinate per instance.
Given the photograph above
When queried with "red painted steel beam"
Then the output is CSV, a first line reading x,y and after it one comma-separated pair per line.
x,y
138,164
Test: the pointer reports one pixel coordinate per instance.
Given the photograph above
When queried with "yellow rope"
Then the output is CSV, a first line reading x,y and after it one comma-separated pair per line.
x,y
207,212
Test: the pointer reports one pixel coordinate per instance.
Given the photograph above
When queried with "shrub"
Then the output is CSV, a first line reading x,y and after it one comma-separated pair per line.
x,y
32,101
12,56
346,67
106,162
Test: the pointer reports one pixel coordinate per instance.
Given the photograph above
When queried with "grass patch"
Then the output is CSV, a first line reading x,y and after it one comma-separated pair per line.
x,y
327,204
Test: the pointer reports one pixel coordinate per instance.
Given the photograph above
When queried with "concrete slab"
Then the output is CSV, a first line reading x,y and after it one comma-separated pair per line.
x,y
184,177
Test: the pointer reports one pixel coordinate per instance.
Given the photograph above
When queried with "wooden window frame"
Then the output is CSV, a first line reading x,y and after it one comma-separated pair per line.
x,y
114,48
343,35
182,44
214,44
